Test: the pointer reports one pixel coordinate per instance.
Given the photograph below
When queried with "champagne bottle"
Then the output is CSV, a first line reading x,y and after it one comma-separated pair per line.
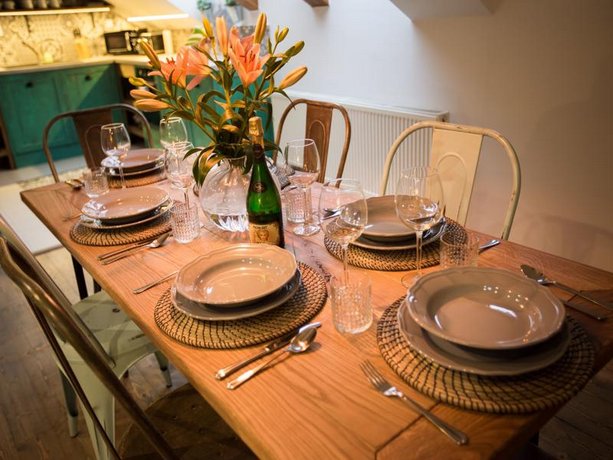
x,y
263,197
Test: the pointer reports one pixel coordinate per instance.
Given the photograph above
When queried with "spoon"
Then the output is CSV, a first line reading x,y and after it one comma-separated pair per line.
x,y
301,342
159,241
540,278
489,244
75,184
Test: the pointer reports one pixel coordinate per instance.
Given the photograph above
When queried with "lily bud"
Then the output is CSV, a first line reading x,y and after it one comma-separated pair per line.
x,y
208,28
260,29
138,94
222,34
150,105
281,34
153,58
293,77
134,81
293,50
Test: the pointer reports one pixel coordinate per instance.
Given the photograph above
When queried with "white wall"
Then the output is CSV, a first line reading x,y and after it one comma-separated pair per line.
x,y
538,71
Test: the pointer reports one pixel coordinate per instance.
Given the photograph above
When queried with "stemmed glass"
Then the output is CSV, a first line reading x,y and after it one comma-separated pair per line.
x,y
115,143
172,131
343,213
302,157
419,204
179,167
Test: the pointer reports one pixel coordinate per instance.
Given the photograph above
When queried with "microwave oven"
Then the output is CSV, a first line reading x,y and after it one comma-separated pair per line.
x,y
127,41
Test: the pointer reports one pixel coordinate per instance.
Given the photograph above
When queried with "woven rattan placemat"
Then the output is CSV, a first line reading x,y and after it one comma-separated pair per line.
x,y
524,393
300,309
93,237
400,260
138,181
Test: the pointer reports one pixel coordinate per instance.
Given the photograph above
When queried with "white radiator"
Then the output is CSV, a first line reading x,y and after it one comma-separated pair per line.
x,y
373,130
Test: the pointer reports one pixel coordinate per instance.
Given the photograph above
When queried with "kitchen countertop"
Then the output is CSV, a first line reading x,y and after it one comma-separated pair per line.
x,y
131,59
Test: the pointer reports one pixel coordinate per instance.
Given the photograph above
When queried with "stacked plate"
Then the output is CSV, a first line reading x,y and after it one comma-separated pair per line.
x,y
386,232
484,321
123,208
138,162
236,282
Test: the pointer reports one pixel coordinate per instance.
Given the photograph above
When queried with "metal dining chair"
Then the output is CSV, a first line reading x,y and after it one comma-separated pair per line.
x,y
318,127
87,124
111,336
455,151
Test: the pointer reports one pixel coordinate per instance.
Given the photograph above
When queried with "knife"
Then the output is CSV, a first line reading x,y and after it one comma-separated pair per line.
x,y
268,349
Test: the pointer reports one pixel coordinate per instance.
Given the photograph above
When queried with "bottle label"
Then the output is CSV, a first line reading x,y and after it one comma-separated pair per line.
x,y
265,233
258,187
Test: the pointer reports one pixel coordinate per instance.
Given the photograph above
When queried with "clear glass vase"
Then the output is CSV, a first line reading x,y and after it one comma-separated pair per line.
x,y
223,194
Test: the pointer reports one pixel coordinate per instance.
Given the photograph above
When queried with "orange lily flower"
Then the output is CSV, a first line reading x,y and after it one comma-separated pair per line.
x,y
245,57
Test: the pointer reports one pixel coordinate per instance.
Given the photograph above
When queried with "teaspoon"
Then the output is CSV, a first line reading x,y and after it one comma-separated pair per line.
x,y
301,342
540,278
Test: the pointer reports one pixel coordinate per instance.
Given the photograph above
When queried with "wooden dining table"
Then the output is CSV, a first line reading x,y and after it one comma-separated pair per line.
x,y
319,404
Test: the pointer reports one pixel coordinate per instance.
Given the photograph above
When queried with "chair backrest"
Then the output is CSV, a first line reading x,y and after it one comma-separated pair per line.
x,y
87,123
318,127
455,153
55,317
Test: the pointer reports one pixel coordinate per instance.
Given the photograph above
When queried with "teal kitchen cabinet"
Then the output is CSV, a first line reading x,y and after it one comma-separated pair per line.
x,y
29,100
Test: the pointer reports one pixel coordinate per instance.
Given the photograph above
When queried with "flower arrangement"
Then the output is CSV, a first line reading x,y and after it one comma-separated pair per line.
x,y
245,81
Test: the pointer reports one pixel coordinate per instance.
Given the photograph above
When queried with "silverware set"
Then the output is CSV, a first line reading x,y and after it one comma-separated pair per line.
x,y
119,254
540,278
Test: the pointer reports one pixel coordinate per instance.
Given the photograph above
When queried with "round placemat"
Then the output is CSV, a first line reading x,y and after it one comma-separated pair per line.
x,y
93,237
538,390
372,259
138,181
300,309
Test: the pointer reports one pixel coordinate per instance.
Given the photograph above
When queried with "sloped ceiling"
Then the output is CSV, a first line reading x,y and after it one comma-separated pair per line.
x,y
136,8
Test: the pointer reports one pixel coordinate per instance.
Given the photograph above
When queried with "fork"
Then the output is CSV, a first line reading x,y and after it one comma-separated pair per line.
x,y
383,386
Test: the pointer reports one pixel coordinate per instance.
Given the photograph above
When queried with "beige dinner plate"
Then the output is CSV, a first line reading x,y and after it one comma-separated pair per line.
x,y
98,225
236,275
212,313
481,362
485,308
383,223
136,160
126,205
429,236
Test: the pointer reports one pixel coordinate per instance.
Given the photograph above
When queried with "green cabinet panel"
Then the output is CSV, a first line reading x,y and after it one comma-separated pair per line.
x,y
28,101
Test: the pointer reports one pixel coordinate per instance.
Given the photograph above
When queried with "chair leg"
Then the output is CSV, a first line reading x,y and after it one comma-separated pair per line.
x,y
72,409
80,277
163,363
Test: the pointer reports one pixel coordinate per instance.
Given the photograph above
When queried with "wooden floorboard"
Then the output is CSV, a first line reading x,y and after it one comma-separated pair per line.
x,y
33,423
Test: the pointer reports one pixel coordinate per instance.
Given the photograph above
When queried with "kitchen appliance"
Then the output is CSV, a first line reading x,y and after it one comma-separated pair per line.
x,y
122,42
127,41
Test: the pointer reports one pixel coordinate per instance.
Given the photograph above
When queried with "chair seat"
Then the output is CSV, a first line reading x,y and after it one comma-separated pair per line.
x,y
123,340
190,426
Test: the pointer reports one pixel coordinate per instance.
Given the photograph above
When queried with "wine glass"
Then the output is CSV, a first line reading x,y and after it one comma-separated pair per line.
x,y
302,157
172,131
115,142
419,204
343,213
179,167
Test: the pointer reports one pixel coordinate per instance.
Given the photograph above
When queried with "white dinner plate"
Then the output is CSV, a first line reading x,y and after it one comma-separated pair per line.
x,y
485,308
126,205
383,223
429,236
212,313
136,160
481,362
236,275
99,225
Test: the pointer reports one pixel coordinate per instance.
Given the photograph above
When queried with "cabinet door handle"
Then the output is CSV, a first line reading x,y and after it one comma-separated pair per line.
x,y
88,77
29,84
